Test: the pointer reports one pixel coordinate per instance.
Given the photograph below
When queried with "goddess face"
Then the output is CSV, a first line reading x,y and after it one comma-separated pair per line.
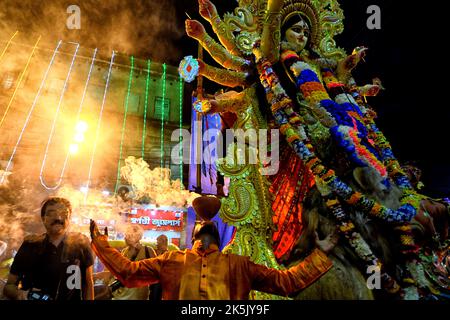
x,y
298,35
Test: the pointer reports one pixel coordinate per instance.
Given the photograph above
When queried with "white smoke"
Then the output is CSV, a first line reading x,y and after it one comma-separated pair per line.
x,y
4,177
155,184
143,28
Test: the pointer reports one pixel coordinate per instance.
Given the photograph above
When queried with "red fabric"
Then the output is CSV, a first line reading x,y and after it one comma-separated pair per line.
x,y
289,187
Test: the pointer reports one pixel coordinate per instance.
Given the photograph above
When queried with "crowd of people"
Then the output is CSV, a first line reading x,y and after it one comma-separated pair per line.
x,y
58,265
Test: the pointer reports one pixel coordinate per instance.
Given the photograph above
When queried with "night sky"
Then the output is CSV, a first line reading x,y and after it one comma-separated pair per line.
x,y
407,54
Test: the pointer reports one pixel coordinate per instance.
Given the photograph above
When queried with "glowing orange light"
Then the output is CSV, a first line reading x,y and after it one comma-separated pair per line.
x,y
73,148
79,137
81,126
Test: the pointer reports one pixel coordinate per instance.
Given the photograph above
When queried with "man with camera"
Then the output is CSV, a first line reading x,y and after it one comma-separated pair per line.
x,y
57,265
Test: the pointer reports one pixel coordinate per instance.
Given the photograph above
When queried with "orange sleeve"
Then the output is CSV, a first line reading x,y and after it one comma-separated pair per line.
x,y
131,274
285,282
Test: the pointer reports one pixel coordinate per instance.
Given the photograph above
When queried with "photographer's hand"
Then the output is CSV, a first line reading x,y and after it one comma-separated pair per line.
x,y
12,291
22,294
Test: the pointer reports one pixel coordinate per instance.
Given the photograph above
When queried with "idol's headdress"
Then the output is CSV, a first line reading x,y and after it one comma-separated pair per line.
x,y
325,19
294,11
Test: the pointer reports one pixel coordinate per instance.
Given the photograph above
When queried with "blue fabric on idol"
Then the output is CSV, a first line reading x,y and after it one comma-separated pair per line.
x,y
307,76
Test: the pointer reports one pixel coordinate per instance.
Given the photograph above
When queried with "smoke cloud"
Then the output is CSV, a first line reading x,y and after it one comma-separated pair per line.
x,y
155,185
19,212
147,29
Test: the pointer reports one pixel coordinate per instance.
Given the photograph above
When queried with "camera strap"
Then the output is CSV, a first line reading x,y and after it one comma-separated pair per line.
x,y
134,257
147,252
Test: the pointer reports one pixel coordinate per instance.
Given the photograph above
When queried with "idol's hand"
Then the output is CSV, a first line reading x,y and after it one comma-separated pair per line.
x,y
95,232
201,66
327,244
195,29
207,9
357,55
369,90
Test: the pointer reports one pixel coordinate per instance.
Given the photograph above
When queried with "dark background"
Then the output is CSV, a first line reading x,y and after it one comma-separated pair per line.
x,y
408,54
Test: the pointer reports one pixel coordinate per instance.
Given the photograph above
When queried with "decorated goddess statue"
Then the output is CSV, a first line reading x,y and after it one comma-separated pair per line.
x,y
337,171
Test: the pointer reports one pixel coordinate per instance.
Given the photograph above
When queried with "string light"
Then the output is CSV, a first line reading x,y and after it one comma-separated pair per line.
x,y
145,109
79,137
130,79
181,127
73,148
55,118
98,126
81,126
162,115
19,81
8,44
30,111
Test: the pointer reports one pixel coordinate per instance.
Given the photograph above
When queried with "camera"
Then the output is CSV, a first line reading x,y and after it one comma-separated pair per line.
x,y
116,285
38,295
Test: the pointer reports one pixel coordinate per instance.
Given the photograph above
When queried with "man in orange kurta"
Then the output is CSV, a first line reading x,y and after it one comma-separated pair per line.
x,y
204,273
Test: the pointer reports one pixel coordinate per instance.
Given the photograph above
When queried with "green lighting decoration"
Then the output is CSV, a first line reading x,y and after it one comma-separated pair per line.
x,y
130,79
162,114
145,108
181,127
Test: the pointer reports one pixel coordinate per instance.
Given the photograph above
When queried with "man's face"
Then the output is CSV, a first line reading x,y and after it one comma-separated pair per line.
x,y
56,219
161,243
206,231
132,238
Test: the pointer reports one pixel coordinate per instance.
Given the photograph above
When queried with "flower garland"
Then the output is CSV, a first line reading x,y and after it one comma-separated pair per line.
x,y
315,95
360,154
313,100
395,172
353,135
290,122
385,152
359,245
350,131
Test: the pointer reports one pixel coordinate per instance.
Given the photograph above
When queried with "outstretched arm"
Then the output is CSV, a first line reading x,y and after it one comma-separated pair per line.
x,y
286,282
221,76
131,274
196,30
209,12
271,36
345,67
233,101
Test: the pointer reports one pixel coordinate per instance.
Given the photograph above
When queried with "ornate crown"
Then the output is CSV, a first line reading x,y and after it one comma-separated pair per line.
x,y
325,18
306,10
